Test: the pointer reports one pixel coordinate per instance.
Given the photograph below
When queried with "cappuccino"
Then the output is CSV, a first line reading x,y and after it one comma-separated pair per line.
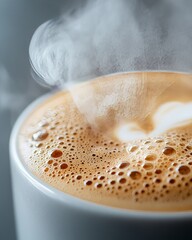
x,y
122,141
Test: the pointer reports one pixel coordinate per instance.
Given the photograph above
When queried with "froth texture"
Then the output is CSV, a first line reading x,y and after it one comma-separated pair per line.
x,y
88,159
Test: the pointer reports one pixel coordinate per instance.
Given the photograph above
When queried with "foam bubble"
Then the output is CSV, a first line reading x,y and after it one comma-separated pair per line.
x,y
40,135
135,175
63,166
56,153
183,170
124,165
169,151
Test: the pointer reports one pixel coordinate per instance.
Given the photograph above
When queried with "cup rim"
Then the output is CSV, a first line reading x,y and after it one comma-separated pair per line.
x,y
73,201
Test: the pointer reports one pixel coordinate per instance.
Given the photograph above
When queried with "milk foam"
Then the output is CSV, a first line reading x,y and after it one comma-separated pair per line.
x,y
169,116
131,157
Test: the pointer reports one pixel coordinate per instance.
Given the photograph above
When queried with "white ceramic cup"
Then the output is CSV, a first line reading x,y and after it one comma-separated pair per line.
x,y
45,213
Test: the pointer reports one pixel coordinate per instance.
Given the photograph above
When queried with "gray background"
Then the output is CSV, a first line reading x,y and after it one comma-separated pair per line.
x,y
18,21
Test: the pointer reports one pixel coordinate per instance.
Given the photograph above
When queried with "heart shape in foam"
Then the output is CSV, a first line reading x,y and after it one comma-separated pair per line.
x,y
168,116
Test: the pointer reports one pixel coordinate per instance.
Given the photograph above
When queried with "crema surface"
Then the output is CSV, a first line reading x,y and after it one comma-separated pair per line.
x,y
122,140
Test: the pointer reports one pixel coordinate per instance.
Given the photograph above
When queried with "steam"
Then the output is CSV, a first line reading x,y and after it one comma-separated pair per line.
x,y
105,37
88,43
113,36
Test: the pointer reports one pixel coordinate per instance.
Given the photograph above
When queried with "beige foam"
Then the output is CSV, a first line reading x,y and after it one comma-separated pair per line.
x,y
71,142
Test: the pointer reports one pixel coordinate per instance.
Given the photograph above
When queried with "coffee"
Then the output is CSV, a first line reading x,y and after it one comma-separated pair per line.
x,y
122,140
